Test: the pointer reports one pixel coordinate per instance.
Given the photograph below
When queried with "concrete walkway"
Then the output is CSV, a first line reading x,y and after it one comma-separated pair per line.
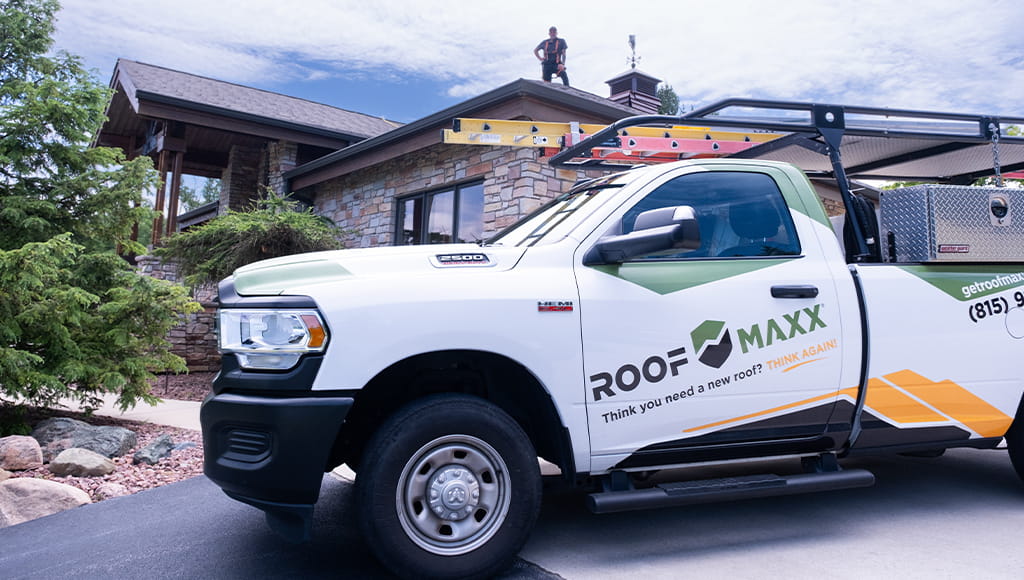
x,y
184,414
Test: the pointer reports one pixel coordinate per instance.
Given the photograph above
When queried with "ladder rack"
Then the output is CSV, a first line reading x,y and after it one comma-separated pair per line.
x,y
838,141
652,144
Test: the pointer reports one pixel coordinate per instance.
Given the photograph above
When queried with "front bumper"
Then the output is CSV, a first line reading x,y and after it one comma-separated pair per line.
x,y
271,452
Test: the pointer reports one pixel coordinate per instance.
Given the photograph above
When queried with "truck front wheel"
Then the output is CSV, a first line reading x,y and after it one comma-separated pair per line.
x,y
1015,442
449,488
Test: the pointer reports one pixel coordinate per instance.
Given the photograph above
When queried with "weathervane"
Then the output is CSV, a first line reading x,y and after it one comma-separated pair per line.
x,y
632,45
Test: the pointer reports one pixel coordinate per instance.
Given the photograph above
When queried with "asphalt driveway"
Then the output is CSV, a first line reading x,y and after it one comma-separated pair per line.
x,y
190,530
957,516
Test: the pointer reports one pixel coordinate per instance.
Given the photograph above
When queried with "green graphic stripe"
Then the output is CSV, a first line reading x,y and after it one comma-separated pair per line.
x,y
669,277
965,282
275,278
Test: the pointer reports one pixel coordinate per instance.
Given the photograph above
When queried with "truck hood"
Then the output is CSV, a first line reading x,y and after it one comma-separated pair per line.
x,y
280,275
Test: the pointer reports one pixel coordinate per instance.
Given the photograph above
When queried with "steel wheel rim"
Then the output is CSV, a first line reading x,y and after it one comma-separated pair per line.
x,y
453,495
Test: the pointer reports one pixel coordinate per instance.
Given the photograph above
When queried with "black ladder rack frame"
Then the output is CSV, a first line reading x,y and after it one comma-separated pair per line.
x,y
822,130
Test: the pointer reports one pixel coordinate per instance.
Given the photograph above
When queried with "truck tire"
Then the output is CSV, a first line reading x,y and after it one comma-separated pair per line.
x,y
1015,443
449,487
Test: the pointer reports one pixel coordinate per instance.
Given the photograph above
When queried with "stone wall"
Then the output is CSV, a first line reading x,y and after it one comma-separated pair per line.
x,y
239,183
515,179
833,207
195,340
278,158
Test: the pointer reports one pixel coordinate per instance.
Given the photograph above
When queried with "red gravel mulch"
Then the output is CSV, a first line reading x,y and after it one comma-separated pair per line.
x,y
181,464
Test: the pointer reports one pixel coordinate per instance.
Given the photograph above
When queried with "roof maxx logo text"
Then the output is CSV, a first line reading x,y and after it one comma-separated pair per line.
x,y
712,343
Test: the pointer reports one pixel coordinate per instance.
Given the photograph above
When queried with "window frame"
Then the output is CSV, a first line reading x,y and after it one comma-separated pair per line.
x,y
425,201
782,205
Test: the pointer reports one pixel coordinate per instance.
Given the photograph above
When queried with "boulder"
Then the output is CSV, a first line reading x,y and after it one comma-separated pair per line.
x,y
4,475
27,498
60,433
110,490
150,454
53,448
81,463
20,452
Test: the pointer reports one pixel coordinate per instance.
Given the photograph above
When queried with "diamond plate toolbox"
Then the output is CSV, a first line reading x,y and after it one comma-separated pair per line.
x,y
952,223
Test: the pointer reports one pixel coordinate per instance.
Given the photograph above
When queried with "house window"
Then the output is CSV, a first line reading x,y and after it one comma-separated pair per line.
x,y
452,215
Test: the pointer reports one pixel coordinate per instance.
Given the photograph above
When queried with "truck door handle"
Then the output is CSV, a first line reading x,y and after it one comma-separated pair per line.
x,y
796,291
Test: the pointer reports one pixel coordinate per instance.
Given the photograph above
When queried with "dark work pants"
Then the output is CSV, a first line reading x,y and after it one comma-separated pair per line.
x,y
550,69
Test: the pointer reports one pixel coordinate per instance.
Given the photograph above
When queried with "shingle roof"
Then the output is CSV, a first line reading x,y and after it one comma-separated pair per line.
x,y
187,89
571,98
578,96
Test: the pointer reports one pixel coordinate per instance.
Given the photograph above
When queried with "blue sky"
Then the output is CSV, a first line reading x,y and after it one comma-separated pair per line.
x,y
406,59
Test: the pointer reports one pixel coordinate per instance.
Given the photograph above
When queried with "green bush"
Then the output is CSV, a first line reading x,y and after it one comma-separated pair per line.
x,y
274,226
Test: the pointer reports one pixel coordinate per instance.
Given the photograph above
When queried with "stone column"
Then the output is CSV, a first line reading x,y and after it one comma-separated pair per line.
x,y
239,183
281,157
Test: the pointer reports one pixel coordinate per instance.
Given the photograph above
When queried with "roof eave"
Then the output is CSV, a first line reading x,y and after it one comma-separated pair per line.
x,y
241,116
518,88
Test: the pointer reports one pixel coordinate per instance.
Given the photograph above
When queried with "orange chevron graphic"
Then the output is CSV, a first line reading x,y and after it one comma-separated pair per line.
x,y
956,402
897,405
910,398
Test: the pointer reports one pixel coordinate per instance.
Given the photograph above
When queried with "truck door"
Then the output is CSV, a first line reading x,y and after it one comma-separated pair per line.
x,y
738,339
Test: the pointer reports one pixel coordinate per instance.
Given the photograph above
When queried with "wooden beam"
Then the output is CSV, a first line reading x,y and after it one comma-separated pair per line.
x,y
201,158
164,141
207,171
125,143
158,221
172,208
162,111
129,155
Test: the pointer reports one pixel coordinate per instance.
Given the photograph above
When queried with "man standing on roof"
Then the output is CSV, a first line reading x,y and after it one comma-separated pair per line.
x,y
551,54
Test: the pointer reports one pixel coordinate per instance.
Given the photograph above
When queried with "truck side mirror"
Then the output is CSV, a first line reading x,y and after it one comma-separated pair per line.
x,y
655,230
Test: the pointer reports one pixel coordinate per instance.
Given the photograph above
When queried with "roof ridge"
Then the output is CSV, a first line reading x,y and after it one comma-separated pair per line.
x,y
250,88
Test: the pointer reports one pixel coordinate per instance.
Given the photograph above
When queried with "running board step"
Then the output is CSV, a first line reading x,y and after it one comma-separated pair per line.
x,y
726,489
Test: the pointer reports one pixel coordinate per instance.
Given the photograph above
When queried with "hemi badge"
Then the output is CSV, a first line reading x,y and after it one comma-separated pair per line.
x,y
554,306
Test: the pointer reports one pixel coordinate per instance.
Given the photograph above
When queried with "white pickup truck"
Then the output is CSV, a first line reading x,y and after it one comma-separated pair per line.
x,y
680,314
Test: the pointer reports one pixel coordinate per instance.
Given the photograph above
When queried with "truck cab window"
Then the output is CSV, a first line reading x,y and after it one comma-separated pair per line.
x,y
740,215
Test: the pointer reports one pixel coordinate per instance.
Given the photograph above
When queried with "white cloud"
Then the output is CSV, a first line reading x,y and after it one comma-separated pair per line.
x,y
942,54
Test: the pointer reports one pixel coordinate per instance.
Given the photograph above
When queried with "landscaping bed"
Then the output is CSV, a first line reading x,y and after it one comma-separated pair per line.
x,y
183,463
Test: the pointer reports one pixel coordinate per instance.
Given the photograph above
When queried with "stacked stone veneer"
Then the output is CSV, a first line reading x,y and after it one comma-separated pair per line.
x,y
516,181
194,340
280,157
833,207
239,182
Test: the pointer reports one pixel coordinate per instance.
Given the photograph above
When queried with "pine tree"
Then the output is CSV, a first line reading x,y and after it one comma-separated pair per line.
x,y
669,101
76,320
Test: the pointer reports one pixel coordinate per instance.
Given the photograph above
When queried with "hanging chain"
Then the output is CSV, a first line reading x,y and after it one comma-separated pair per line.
x,y
994,130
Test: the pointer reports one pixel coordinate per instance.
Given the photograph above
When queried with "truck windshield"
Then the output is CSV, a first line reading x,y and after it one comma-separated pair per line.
x,y
555,219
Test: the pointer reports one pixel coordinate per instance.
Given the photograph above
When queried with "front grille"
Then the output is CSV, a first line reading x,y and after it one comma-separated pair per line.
x,y
247,445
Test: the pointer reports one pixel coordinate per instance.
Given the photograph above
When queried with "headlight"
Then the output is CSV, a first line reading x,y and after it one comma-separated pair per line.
x,y
271,339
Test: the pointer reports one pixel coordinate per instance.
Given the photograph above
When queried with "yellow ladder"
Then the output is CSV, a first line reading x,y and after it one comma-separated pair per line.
x,y
469,131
